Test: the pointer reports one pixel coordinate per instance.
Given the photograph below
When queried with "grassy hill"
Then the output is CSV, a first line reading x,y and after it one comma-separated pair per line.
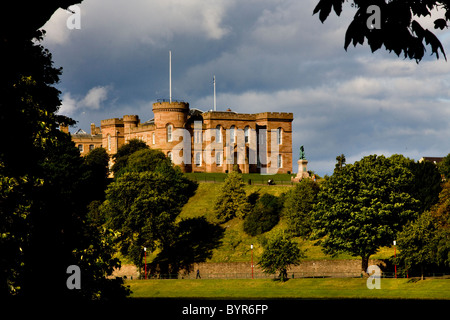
x,y
236,243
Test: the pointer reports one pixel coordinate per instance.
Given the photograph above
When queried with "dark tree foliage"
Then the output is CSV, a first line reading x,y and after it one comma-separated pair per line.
x,y
124,152
399,30
193,242
425,243
264,216
298,206
43,180
444,167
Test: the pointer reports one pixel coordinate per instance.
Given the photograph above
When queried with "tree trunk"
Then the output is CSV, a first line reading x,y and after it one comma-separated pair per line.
x,y
364,265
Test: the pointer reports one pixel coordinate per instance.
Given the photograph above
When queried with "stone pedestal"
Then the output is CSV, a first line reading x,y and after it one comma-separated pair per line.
x,y
302,170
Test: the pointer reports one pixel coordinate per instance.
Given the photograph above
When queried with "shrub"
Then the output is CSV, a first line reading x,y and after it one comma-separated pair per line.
x,y
264,215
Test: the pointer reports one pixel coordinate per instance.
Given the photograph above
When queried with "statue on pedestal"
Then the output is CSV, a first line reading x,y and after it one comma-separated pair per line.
x,y
302,153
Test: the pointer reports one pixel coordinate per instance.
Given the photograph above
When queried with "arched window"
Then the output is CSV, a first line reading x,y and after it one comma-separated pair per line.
x,y
279,136
246,134
233,134
109,142
218,133
170,156
153,138
169,133
280,161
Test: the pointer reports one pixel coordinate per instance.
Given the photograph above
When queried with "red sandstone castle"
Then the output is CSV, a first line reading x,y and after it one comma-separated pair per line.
x,y
197,141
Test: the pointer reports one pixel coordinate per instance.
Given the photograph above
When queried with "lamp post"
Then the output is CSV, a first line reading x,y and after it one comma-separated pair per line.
x,y
395,259
145,263
251,247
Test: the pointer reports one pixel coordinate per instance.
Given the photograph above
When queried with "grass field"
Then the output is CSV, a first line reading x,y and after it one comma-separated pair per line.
x,y
330,288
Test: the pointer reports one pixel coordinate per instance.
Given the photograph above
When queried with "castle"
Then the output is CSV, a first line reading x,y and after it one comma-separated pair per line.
x,y
198,141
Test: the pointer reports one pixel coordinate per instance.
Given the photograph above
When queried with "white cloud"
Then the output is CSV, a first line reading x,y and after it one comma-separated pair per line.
x,y
118,22
95,97
91,101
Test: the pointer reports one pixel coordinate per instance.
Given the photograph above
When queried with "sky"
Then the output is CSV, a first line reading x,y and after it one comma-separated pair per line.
x,y
266,55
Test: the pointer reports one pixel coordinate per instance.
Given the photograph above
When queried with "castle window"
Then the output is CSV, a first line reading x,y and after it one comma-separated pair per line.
x,y
80,147
153,138
109,142
279,136
169,133
218,159
280,161
170,156
198,159
91,147
246,134
262,137
197,136
233,134
218,134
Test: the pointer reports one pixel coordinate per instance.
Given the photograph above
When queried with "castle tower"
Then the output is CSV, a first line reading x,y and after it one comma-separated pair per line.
x,y
168,117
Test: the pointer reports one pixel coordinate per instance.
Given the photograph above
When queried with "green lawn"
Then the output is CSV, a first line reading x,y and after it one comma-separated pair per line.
x,y
294,288
253,178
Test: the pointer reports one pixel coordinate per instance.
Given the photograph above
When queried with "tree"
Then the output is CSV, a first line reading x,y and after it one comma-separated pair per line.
x,y
124,152
340,162
444,167
298,205
194,241
96,172
44,196
264,215
232,200
392,24
143,206
43,191
363,206
280,252
425,243
146,160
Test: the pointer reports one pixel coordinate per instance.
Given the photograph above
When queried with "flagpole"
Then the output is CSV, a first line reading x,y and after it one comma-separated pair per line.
x,y
214,81
170,76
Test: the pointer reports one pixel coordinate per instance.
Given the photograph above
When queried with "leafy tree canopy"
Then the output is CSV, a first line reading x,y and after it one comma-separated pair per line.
x,y
280,252
232,200
399,29
298,205
444,167
425,243
362,206
264,215
143,206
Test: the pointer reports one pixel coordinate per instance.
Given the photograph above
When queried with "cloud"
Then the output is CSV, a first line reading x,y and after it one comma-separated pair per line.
x,y
95,97
92,100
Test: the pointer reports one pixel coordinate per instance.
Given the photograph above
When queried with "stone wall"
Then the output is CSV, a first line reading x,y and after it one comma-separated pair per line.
x,y
233,270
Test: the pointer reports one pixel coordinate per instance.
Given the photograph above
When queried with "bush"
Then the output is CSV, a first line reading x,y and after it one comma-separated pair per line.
x,y
264,215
